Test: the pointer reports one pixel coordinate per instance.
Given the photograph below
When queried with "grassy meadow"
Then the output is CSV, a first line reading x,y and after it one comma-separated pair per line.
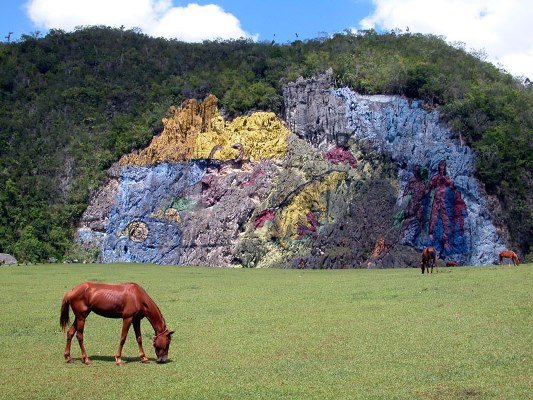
x,y
465,333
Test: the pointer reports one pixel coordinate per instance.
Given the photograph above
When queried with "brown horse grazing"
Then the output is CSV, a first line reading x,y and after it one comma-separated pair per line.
x,y
452,264
511,255
128,301
429,259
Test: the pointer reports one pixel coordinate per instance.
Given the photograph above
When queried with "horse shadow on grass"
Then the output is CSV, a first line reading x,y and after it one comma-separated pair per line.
x,y
126,360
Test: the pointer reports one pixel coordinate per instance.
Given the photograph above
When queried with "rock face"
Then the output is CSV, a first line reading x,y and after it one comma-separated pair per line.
x,y
449,210
140,226
188,195
348,181
314,113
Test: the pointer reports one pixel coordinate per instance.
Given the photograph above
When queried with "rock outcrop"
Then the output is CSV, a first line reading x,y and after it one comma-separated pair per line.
x,y
314,113
347,181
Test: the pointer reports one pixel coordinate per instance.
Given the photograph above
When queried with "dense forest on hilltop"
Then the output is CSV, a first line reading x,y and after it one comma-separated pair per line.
x,y
72,103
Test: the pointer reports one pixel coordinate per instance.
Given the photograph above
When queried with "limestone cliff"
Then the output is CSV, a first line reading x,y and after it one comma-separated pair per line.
x,y
347,181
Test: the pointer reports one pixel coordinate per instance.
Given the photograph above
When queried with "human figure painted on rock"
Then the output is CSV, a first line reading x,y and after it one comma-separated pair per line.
x,y
417,188
440,183
459,212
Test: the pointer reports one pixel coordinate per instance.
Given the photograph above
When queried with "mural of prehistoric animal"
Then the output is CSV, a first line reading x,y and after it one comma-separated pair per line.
x,y
212,155
237,162
429,259
128,301
452,264
510,255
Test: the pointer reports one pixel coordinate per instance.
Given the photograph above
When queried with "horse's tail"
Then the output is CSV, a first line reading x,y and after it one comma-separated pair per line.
x,y
64,319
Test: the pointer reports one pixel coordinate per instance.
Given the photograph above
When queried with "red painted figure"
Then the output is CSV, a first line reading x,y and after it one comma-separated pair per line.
x,y
440,183
459,211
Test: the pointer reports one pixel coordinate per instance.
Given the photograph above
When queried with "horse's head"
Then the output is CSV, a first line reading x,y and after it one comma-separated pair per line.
x,y
161,344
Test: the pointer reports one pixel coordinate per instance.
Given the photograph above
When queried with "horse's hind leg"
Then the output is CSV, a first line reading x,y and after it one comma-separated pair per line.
x,y
126,323
70,335
138,337
80,325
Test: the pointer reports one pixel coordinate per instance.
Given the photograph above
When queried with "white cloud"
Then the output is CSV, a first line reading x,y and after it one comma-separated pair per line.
x,y
502,28
195,23
192,23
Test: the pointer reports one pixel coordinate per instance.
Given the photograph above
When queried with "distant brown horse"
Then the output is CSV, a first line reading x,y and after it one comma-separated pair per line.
x,y
452,264
128,301
511,255
429,259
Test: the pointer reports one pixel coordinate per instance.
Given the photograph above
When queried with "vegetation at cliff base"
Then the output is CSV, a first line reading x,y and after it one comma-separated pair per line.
x,y
71,104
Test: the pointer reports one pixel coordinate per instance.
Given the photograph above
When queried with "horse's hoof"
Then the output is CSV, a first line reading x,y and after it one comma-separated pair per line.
x,y
119,364
145,360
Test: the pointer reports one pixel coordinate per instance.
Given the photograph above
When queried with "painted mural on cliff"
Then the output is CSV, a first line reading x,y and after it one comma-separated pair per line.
x,y
434,213
346,181
456,219
185,198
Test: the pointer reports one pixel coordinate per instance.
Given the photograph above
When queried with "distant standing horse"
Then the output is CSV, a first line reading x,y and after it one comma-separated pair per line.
x,y
128,301
429,259
511,255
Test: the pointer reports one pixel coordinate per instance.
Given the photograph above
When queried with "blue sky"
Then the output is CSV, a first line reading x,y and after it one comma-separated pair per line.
x,y
501,28
279,20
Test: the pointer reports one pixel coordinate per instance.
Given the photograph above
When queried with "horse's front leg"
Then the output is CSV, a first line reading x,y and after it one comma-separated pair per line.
x,y
70,335
126,323
138,336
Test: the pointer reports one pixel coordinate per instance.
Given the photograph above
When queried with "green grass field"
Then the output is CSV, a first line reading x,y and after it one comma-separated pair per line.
x,y
465,333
